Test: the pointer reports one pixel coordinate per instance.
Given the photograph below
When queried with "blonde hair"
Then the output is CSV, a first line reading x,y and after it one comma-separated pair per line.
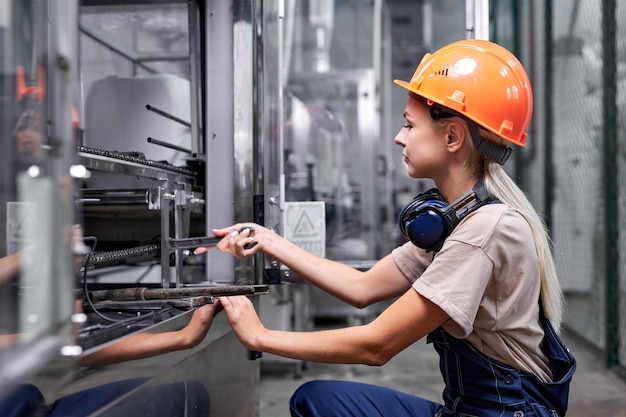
x,y
501,185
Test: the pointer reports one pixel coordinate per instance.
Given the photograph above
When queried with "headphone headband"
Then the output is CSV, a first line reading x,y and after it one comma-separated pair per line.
x,y
427,220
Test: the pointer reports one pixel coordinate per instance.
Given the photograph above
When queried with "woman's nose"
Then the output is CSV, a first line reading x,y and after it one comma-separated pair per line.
x,y
400,138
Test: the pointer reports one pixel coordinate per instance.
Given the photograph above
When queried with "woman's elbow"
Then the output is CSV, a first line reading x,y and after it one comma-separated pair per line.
x,y
377,356
360,303
362,300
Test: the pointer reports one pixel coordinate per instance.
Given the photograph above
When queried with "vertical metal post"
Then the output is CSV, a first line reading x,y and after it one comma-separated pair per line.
x,y
166,197
258,185
271,110
197,145
281,107
63,59
517,21
220,135
548,117
477,19
180,221
609,140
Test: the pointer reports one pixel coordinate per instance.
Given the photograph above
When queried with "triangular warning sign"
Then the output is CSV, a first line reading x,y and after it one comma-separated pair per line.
x,y
26,227
304,227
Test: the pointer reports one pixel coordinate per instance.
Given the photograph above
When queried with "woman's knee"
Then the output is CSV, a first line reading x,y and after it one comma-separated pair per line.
x,y
346,398
311,398
306,391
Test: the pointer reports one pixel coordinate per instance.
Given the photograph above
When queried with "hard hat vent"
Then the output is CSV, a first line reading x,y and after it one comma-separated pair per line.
x,y
441,73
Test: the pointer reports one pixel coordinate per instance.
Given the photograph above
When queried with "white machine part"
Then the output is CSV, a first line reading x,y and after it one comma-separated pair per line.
x,y
116,117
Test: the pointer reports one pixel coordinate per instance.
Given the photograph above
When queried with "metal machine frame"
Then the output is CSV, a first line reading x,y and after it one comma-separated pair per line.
x,y
181,204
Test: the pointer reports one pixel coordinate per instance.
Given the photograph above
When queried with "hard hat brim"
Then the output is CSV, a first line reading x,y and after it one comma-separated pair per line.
x,y
403,84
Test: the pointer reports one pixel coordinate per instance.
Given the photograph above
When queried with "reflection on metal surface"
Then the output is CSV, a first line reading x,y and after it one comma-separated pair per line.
x,y
36,208
217,374
333,148
142,195
166,24
215,378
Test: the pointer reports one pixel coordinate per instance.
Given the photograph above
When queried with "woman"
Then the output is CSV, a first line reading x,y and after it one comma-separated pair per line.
x,y
477,276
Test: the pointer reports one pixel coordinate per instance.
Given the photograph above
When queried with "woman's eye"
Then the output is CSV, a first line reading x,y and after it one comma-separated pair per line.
x,y
406,126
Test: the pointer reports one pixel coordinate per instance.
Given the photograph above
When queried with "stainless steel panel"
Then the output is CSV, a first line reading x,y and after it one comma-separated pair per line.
x,y
215,378
37,70
218,374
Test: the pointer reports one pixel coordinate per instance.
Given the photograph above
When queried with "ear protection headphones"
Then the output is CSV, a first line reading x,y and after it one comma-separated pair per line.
x,y
428,220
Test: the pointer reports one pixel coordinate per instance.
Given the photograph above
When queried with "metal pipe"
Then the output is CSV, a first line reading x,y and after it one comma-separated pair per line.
x,y
167,115
169,145
144,293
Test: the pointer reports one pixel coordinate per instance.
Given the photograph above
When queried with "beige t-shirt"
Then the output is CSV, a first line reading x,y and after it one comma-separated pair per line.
x,y
486,278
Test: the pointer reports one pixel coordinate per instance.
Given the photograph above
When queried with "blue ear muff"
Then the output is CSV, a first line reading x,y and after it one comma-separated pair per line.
x,y
427,220
426,230
422,221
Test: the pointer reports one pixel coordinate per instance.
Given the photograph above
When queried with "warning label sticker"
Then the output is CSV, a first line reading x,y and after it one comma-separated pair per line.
x,y
21,225
305,225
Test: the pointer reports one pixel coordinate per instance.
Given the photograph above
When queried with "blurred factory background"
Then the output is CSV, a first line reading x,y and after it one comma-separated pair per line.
x,y
140,124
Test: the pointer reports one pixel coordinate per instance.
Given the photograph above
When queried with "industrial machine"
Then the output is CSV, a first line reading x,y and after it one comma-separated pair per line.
x,y
108,185
131,129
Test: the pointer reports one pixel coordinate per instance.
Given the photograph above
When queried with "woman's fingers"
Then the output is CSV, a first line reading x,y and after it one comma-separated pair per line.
x,y
236,239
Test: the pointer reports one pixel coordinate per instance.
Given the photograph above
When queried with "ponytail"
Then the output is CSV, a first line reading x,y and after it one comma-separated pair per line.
x,y
501,186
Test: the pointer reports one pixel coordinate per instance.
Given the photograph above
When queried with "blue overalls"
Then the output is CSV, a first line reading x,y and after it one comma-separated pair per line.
x,y
476,385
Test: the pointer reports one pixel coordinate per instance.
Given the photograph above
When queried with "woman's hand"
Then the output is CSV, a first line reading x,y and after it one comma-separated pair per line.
x,y
244,320
241,240
146,345
199,324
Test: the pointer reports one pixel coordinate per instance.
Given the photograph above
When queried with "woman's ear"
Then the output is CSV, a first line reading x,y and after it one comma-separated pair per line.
x,y
455,136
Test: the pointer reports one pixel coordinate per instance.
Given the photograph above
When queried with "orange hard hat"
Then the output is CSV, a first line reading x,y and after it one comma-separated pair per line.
x,y
480,80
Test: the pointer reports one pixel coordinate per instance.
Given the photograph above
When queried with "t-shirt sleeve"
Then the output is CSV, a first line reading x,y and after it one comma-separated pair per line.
x,y
456,281
411,260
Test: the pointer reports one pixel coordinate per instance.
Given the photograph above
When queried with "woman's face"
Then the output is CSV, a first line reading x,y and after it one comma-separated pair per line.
x,y
423,143
29,142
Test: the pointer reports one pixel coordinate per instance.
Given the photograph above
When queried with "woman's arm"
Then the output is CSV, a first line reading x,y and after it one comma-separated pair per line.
x,y
8,339
9,267
145,345
407,320
360,289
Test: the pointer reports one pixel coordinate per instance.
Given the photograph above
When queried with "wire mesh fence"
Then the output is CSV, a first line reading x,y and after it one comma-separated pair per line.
x,y
575,168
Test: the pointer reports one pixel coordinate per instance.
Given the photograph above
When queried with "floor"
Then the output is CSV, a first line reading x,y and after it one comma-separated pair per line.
x,y
594,391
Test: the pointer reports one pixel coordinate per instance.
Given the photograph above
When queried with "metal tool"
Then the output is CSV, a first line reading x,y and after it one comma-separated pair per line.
x,y
208,241
143,293
193,242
